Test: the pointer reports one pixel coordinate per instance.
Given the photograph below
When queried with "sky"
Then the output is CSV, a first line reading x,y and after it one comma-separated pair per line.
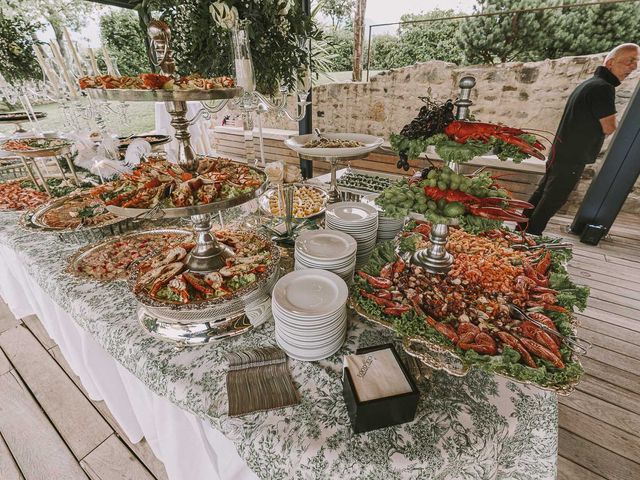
x,y
378,11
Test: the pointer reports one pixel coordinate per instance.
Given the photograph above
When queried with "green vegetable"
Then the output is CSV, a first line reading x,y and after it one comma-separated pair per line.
x,y
453,209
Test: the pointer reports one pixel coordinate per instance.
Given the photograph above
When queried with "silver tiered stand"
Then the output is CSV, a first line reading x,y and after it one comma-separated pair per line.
x,y
334,195
191,323
28,158
435,258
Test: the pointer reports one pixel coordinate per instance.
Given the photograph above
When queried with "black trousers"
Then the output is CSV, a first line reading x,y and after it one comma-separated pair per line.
x,y
552,193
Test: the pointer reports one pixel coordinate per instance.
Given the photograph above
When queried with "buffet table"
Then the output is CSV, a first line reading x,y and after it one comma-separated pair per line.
x,y
478,427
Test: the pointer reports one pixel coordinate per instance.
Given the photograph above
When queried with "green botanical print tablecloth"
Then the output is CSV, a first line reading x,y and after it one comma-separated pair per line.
x,y
477,427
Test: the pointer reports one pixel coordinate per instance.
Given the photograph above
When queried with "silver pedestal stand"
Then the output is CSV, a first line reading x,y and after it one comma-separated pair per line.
x,y
28,158
435,258
334,195
208,255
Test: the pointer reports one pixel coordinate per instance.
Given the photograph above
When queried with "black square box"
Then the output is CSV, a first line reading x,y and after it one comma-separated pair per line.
x,y
380,412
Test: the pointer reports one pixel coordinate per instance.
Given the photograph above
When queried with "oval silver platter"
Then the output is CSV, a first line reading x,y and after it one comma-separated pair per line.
x,y
263,201
139,95
41,152
176,212
74,262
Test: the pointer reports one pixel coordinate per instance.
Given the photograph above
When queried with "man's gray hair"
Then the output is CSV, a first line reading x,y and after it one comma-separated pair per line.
x,y
625,47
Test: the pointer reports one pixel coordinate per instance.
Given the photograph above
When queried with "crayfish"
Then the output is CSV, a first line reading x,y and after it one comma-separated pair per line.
x,y
462,131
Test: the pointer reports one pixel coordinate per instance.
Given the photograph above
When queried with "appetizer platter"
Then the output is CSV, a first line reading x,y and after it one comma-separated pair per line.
x,y
152,87
155,81
77,217
153,140
343,145
15,196
36,146
110,259
366,182
193,307
158,188
308,202
505,306
15,117
333,154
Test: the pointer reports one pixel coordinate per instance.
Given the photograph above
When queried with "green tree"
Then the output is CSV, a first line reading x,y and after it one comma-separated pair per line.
x,y
384,52
120,32
341,44
420,42
339,11
556,33
17,61
508,37
586,30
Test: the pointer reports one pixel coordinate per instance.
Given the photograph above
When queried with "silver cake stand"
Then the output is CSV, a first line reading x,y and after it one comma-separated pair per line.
x,y
209,322
334,156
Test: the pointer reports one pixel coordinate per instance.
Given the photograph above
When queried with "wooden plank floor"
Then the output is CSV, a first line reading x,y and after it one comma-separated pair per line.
x,y
49,429
600,422
599,435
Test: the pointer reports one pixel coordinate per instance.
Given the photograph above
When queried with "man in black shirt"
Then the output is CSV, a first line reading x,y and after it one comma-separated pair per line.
x,y
590,115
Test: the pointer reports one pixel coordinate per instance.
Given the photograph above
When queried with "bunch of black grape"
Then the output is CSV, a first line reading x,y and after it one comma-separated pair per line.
x,y
432,118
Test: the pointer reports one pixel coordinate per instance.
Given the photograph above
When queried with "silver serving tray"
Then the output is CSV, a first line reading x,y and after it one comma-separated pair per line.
x,y
139,95
370,143
14,117
41,152
263,201
163,139
30,220
77,258
176,212
165,308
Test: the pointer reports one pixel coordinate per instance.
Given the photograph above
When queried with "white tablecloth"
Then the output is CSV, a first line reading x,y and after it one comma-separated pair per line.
x,y
188,446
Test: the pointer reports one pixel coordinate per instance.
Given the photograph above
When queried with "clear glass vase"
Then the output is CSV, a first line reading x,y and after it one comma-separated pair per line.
x,y
243,63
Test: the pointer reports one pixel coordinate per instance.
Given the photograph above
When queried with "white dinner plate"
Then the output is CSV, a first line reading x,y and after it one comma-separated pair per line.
x,y
310,292
351,212
325,245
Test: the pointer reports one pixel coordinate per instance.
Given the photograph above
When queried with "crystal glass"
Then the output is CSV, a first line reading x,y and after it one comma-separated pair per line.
x,y
241,46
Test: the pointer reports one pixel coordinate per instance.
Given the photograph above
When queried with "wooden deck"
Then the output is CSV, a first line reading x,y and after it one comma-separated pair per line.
x,y
49,429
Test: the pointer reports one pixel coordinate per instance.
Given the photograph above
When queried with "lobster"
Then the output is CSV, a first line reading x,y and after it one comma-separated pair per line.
x,y
496,208
462,131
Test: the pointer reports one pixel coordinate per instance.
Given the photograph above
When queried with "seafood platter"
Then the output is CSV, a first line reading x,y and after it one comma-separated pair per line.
x,y
110,259
189,306
16,197
333,148
28,149
36,146
153,140
505,306
308,201
158,189
77,217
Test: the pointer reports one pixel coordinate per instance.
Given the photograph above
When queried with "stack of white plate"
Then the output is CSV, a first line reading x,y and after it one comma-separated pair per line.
x,y
388,227
358,220
310,312
327,250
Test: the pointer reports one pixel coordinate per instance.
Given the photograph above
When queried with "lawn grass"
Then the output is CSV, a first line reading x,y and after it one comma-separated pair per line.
x,y
141,119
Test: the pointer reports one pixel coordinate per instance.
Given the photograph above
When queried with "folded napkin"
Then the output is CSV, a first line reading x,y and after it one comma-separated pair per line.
x,y
259,380
376,374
